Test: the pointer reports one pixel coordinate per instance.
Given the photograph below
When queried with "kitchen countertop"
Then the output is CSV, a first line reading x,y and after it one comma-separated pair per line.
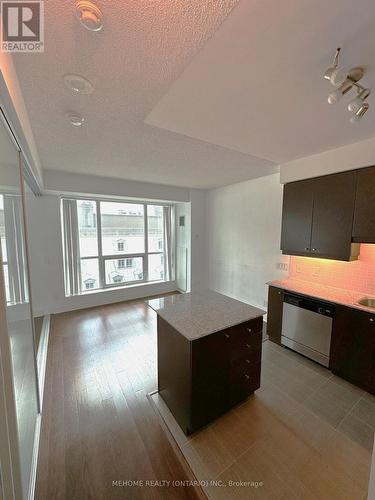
x,y
198,314
328,293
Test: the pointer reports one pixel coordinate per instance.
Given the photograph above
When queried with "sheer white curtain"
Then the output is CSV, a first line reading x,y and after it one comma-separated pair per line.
x,y
72,262
16,257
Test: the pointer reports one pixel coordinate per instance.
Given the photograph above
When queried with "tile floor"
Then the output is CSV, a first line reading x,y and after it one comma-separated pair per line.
x,y
306,434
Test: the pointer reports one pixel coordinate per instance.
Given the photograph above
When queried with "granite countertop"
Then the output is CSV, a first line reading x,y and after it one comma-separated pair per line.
x,y
198,314
328,293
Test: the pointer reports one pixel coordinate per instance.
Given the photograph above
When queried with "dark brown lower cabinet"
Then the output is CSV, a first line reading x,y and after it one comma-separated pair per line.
x,y
275,313
201,379
353,347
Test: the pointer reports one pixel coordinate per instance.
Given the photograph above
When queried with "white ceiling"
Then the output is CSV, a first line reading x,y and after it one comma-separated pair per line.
x,y
143,47
188,95
257,86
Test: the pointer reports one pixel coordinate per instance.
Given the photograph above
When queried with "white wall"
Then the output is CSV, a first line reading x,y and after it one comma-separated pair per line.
x,y
199,271
357,155
18,113
89,185
243,247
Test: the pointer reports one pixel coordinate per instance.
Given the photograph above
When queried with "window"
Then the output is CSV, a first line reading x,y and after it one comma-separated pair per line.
x,y
13,249
109,244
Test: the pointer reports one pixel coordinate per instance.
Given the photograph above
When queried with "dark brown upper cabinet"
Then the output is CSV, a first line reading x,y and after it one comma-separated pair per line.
x,y
332,224
364,214
318,217
297,217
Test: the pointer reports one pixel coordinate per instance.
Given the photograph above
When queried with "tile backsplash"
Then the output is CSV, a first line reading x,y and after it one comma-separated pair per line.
x,y
358,275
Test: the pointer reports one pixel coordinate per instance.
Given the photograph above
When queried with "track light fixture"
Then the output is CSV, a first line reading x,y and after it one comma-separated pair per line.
x,y
344,80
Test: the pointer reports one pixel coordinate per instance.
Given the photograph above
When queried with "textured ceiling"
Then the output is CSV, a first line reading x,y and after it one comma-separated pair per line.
x,y
257,86
143,48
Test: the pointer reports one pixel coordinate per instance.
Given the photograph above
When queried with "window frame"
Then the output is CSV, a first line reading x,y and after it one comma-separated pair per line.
x,y
102,285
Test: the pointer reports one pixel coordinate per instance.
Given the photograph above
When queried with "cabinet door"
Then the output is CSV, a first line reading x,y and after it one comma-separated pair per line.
x,y
364,213
334,197
275,313
210,377
353,347
297,217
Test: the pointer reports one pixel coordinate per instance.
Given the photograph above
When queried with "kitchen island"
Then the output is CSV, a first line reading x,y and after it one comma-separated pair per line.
x,y
209,354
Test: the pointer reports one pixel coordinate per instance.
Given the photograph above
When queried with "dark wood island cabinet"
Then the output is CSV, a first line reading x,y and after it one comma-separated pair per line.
x,y
201,375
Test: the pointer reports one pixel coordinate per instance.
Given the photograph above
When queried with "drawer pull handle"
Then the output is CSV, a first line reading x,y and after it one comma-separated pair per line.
x,y
249,330
247,377
248,346
248,361
314,249
307,249
372,320
227,336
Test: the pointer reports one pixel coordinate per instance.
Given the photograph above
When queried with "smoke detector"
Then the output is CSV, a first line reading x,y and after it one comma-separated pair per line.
x,y
89,15
78,84
75,119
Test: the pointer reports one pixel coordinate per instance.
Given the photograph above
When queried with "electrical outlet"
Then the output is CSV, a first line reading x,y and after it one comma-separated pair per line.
x,y
282,266
316,271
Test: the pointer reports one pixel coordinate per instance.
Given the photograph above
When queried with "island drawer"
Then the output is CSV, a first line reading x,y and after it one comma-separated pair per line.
x,y
246,350
243,382
249,328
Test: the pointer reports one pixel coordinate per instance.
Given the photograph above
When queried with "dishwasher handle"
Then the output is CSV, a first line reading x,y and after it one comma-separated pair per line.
x,y
317,306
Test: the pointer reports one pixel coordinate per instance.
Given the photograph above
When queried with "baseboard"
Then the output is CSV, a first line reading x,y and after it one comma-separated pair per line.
x,y
41,358
41,361
34,462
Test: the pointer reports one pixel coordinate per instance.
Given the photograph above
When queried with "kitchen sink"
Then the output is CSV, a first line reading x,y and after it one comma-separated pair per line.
x,y
367,302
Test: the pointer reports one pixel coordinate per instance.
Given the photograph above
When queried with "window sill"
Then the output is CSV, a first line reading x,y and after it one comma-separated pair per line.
x,y
117,288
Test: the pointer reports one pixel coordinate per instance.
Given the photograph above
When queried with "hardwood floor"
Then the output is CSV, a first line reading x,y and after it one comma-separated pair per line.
x,y
98,426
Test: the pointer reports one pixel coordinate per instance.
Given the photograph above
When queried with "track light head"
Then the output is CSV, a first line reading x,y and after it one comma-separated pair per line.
x,y
357,102
329,72
360,113
342,90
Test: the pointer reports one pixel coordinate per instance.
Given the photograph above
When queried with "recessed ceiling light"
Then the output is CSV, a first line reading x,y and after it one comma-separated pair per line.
x,y
89,15
75,119
78,84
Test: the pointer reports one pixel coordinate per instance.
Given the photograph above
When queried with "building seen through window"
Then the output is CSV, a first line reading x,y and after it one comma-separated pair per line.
x,y
113,245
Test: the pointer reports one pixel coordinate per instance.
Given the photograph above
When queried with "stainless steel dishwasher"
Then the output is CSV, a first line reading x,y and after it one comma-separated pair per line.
x,y
307,327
